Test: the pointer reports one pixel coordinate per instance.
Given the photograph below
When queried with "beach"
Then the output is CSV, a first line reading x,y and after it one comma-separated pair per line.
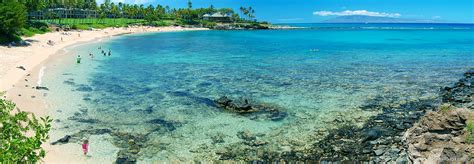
x,y
21,69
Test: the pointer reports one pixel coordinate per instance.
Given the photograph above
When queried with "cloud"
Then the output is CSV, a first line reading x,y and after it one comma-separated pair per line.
x,y
356,12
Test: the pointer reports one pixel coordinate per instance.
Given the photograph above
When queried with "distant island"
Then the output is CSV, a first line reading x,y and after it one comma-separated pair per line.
x,y
377,19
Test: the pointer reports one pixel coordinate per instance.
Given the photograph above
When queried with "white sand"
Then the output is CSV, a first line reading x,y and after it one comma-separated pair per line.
x,y
18,83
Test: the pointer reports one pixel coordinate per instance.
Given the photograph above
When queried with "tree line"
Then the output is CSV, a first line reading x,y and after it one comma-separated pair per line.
x,y
110,9
14,14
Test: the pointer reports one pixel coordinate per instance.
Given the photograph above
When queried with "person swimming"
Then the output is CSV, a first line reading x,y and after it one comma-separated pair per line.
x,y
78,59
110,52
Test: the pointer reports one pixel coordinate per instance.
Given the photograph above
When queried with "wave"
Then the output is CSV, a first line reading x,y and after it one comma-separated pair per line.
x,y
40,75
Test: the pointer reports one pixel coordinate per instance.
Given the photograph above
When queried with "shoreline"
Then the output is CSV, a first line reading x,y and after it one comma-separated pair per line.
x,y
19,84
31,56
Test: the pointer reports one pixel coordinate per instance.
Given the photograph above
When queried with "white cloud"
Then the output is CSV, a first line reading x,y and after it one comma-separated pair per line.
x,y
356,12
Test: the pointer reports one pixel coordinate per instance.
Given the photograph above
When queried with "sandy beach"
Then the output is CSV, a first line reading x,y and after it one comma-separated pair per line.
x,y
20,72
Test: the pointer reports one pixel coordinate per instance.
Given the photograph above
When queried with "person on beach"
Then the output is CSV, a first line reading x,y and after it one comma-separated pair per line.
x,y
85,146
110,52
78,59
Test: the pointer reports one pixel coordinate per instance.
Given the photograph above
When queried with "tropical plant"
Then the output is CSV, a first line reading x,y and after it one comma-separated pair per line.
x,y
13,17
21,134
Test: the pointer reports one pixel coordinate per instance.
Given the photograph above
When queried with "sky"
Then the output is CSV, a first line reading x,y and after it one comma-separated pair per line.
x,y
311,11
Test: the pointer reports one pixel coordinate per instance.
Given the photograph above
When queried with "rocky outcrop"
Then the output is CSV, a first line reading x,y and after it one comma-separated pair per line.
x,y
462,93
255,111
441,137
444,135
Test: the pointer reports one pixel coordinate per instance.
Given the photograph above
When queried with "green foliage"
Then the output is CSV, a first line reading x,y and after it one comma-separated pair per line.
x,y
21,135
79,27
161,23
445,107
208,24
33,28
13,17
470,132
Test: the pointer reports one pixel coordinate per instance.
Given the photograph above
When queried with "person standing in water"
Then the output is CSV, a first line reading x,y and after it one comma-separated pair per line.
x,y
85,146
78,59
110,52
91,55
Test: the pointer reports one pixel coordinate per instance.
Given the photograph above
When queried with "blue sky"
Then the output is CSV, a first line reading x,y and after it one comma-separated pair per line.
x,y
307,11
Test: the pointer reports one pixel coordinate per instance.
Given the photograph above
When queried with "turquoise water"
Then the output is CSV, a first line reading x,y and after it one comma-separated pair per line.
x,y
162,85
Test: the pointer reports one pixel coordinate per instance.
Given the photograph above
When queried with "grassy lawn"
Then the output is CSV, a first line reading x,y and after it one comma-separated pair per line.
x,y
85,23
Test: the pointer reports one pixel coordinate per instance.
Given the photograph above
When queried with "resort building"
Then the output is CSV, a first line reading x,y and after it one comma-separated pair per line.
x,y
217,17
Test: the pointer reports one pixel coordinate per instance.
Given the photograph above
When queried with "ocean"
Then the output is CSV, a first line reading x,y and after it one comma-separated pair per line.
x,y
159,89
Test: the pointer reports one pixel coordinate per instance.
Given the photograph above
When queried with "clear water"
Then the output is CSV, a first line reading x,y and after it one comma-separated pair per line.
x,y
315,75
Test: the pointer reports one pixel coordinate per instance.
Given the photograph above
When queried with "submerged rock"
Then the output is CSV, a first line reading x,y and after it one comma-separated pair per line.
x,y
171,126
461,94
251,109
63,140
84,88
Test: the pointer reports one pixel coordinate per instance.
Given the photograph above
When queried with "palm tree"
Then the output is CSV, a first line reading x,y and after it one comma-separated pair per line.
x,y
242,9
249,12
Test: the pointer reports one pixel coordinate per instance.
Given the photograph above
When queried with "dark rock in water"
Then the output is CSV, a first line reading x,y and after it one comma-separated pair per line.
x,y
223,101
218,138
204,84
89,121
130,145
461,94
166,124
372,134
278,116
201,100
253,110
246,135
63,140
42,88
69,82
84,88
125,160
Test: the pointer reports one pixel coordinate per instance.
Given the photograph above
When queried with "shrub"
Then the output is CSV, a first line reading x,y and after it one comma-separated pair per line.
x,y
470,132
160,23
21,134
12,18
445,107
79,27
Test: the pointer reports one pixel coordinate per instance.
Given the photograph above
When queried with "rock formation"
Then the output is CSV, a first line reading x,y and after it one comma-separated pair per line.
x,y
441,137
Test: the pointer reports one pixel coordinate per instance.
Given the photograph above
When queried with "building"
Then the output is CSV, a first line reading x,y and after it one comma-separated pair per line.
x,y
217,17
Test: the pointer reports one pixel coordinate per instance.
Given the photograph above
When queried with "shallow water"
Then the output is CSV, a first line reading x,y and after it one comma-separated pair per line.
x,y
162,85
